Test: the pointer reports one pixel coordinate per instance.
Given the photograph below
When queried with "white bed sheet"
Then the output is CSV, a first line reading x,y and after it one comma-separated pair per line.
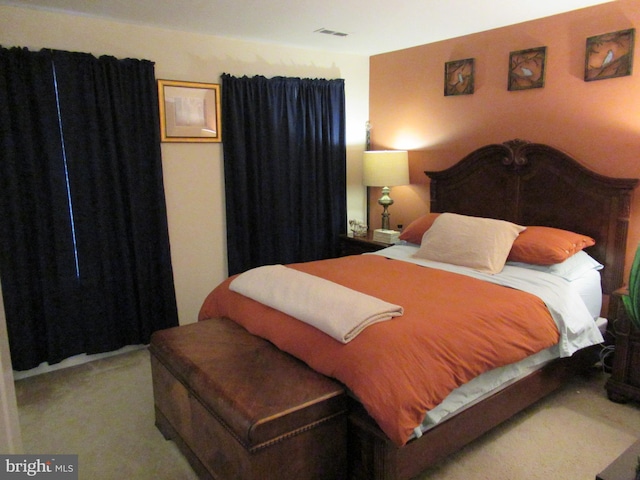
x,y
589,287
586,288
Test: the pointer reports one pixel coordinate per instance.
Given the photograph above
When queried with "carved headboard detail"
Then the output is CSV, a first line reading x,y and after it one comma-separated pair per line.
x,y
535,184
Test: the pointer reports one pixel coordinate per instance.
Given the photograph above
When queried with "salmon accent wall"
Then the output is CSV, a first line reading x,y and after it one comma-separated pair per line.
x,y
597,122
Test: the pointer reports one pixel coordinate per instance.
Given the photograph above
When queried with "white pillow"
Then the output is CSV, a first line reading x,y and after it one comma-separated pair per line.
x,y
479,243
571,269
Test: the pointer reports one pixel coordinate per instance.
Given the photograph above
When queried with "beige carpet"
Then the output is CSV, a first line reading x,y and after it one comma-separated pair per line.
x,y
571,435
103,411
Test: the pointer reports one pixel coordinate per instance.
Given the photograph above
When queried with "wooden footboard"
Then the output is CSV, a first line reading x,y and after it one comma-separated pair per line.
x,y
373,456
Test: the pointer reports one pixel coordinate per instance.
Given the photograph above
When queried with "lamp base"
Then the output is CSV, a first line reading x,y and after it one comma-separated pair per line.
x,y
385,200
386,236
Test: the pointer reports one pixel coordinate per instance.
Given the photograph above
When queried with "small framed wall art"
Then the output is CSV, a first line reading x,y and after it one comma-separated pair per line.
x,y
609,55
189,111
526,68
459,77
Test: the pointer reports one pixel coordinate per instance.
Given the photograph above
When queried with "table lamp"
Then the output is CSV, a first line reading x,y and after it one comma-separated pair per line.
x,y
385,168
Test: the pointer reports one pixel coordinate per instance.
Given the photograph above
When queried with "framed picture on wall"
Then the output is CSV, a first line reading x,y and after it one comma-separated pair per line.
x,y
526,68
459,77
189,111
609,55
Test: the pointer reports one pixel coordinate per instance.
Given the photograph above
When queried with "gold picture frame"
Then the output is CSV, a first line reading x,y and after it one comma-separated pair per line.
x,y
189,111
527,68
609,55
459,77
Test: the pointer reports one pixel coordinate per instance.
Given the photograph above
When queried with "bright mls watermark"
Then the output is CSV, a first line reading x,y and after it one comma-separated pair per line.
x,y
50,467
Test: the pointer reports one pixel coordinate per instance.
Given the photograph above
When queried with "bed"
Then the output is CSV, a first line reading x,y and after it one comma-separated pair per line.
x,y
513,184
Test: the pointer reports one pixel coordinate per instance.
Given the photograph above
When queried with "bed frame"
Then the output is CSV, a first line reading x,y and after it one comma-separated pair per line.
x,y
519,181
528,184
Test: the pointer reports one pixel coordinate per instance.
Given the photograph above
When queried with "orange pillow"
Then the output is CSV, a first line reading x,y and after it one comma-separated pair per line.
x,y
547,246
415,230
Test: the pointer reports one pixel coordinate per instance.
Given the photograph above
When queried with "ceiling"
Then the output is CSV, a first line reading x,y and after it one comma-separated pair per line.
x,y
371,26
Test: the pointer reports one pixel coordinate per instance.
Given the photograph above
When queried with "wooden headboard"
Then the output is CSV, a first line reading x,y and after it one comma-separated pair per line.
x,y
534,184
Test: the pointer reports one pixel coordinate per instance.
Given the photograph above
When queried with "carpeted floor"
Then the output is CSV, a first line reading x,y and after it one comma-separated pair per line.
x,y
103,411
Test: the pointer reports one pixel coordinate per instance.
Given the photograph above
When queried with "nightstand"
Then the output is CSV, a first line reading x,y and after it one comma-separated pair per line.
x,y
624,383
359,245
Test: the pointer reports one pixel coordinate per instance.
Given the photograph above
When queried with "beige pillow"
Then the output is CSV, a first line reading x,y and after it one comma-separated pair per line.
x,y
479,243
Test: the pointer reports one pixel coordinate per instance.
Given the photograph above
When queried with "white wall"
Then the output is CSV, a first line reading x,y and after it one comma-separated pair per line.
x,y
10,437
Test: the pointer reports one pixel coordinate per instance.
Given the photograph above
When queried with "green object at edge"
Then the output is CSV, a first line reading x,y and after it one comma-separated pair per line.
x,y
632,301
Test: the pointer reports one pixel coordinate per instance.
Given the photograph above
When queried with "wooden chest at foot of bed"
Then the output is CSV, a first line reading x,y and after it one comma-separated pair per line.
x,y
239,408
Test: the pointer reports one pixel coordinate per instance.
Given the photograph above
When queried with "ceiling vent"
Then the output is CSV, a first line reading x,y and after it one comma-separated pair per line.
x,y
326,31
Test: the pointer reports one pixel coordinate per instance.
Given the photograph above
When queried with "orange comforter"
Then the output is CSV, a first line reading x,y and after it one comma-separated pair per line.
x,y
453,329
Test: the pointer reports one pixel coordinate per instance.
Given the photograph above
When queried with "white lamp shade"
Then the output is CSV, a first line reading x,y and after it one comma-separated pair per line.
x,y
385,168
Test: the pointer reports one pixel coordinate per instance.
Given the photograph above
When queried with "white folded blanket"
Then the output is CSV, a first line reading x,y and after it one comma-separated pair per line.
x,y
338,311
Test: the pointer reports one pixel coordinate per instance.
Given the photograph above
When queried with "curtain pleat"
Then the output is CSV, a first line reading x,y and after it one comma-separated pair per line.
x,y
285,169
101,276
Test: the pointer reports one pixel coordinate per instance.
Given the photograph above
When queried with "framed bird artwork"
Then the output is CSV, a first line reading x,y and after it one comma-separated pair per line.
x,y
459,77
609,55
526,68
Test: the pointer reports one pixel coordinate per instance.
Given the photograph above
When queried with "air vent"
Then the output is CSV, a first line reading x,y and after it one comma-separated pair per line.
x,y
326,31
